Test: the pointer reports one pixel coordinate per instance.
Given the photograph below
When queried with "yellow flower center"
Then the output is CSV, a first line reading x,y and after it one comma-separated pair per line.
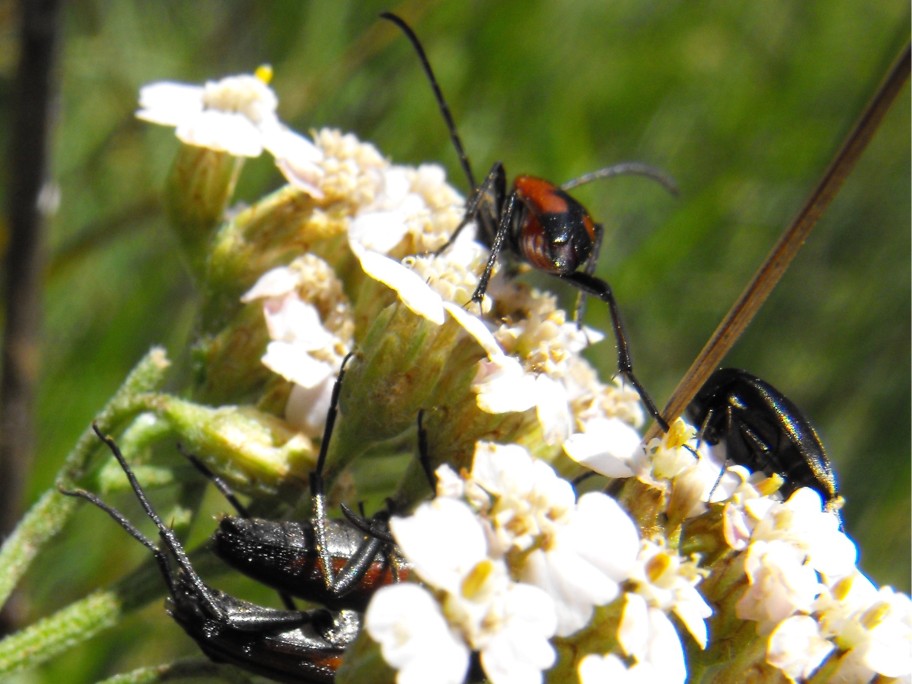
x,y
657,566
474,583
264,73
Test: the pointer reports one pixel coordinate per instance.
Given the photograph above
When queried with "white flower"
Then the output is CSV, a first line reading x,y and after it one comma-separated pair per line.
x,y
508,623
424,301
443,539
802,522
607,446
411,289
870,628
646,634
414,636
577,551
591,551
522,494
476,327
781,584
229,115
743,509
591,398
515,647
796,647
393,208
306,346
401,204
873,625
669,582
503,386
299,160
596,669
449,484
552,376
547,339
236,115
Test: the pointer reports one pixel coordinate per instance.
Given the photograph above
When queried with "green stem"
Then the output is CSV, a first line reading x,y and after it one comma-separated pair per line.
x,y
47,517
83,619
187,668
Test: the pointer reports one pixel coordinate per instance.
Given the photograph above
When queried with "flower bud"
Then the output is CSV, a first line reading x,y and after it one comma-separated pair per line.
x,y
254,451
198,189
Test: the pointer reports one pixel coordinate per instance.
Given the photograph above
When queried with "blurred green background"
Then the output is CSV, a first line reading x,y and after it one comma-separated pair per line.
x,y
743,103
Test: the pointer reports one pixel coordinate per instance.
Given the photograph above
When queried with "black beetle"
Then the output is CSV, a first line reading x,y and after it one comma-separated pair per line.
x,y
762,429
284,645
338,563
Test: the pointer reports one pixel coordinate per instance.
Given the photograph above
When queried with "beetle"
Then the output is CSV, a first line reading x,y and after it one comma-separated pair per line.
x,y
283,555
538,223
284,645
762,429
338,563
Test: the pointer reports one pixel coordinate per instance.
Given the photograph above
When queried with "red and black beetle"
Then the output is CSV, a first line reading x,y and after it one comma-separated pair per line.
x,y
538,223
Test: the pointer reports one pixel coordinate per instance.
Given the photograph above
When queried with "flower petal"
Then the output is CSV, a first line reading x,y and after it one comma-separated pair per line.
x,y
414,637
412,290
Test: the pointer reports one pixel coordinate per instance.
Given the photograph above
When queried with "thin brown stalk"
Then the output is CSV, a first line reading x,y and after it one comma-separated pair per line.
x,y
777,261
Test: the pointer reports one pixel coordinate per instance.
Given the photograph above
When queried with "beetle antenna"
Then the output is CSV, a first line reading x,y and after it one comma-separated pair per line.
x,y
626,169
167,535
223,487
441,102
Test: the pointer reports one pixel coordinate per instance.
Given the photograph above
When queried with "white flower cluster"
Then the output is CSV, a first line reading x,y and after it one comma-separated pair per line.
x,y
310,328
677,460
511,559
395,212
806,594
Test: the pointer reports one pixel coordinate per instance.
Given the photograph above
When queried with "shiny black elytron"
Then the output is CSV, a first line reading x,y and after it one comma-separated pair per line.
x,y
762,429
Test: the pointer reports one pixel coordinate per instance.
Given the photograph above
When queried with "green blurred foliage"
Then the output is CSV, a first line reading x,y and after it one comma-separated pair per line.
x,y
744,103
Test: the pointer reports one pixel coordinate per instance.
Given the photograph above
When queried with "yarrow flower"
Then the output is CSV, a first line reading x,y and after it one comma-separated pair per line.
x,y
866,632
507,622
549,538
527,529
594,669
659,583
871,626
666,581
516,568
806,596
514,563
237,115
310,330
793,543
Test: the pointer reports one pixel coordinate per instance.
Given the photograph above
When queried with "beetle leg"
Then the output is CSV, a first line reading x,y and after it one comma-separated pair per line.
x,y
589,270
602,290
484,201
424,457
324,558
226,491
497,244
373,543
